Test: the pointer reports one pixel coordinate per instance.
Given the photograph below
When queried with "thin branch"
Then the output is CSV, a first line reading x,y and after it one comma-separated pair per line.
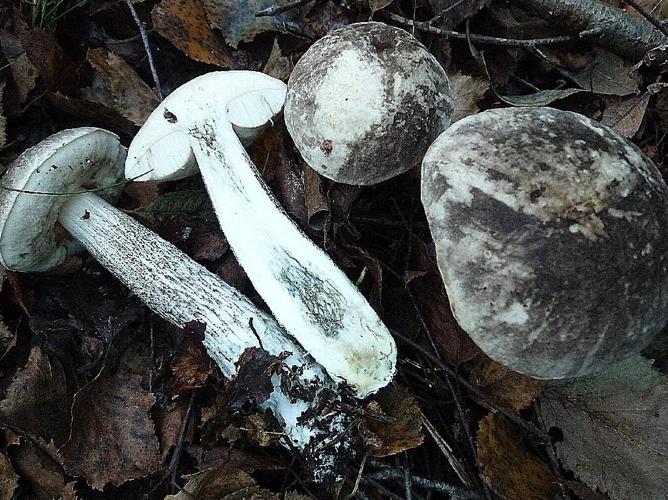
x,y
147,48
279,9
484,39
648,15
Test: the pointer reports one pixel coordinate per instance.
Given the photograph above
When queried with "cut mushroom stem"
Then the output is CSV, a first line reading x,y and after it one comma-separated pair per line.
x,y
167,280
308,294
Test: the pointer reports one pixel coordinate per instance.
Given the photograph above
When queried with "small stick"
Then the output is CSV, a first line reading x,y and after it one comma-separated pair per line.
x,y
279,9
147,48
648,15
490,40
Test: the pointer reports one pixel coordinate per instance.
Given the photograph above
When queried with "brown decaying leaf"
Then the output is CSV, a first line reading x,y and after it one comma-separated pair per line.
x,y
222,483
168,422
426,285
130,96
394,422
625,115
54,66
513,389
450,13
507,467
24,73
9,481
37,400
91,110
608,74
467,91
184,23
191,366
113,438
37,468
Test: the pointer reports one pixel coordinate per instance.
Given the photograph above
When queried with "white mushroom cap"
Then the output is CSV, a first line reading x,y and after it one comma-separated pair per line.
x,y
247,99
365,102
552,239
71,160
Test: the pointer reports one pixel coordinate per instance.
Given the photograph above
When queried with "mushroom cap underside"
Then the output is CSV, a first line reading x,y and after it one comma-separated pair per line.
x,y
216,105
68,161
551,233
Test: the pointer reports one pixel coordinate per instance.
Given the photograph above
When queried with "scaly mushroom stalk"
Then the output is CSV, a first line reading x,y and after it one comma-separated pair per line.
x,y
311,297
167,280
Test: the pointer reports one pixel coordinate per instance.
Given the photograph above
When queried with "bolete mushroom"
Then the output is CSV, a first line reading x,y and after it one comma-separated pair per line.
x,y
311,297
365,102
167,280
551,233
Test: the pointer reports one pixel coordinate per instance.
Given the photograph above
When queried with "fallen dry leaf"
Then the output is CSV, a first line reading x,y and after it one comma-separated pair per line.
x,y
608,74
237,20
54,66
130,96
507,466
38,468
394,422
625,114
513,389
277,65
184,23
450,13
168,422
113,438
37,400
615,428
24,73
9,481
222,483
467,91
191,366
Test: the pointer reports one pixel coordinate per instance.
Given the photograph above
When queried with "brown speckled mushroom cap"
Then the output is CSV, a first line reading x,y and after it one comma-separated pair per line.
x,y
365,102
68,161
552,238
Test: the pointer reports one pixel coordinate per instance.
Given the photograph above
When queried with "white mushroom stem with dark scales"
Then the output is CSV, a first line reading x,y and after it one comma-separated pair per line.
x,y
308,294
167,280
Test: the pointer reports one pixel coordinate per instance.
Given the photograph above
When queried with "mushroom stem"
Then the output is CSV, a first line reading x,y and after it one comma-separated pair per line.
x,y
308,294
180,290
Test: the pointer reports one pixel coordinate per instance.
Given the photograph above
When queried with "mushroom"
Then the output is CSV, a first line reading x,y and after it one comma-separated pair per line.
x,y
311,297
167,280
365,102
551,233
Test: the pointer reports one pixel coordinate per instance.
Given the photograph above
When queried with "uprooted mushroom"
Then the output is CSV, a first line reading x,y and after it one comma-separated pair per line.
x,y
167,280
552,239
308,294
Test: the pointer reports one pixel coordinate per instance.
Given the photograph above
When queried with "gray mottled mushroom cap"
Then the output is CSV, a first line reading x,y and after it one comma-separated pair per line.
x,y
551,233
71,160
365,102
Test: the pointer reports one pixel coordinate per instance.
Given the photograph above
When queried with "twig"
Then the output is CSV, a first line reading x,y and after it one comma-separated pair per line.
x,y
622,33
648,15
484,39
147,48
279,9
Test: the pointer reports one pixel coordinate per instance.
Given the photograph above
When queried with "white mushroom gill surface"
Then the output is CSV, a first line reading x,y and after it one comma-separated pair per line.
x,y
365,102
552,238
180,290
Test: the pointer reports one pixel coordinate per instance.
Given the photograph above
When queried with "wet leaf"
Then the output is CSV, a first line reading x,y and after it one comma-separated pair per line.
x,y
37,467
113,438
394,421
184,23
130,96
513,389
468,91
507,466
237,20
37,400
615,428
9,481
